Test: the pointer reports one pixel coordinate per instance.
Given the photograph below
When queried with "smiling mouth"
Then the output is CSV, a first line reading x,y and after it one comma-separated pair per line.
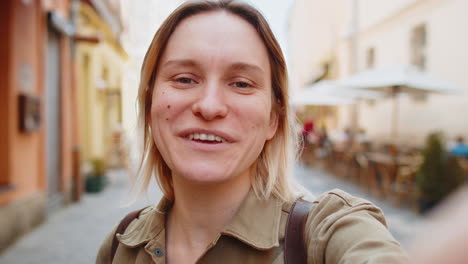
x,y
206,138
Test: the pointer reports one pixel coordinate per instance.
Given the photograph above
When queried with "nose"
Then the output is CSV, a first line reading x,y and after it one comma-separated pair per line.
x,y
211,104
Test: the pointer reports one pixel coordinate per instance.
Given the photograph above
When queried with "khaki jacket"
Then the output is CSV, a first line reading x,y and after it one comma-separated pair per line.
x,y
340,229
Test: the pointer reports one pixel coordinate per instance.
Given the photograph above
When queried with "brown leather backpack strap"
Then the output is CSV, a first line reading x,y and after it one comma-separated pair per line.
x,y
294,244
121,229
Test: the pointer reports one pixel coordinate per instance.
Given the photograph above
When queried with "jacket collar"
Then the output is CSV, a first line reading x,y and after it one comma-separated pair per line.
x,y
148,226
256,223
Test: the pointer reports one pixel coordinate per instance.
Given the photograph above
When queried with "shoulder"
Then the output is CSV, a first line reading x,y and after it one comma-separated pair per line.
x,y
104,253
341,227
138,217
337,203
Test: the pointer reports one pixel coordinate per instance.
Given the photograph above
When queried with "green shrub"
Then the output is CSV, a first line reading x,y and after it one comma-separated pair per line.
x,y
439,174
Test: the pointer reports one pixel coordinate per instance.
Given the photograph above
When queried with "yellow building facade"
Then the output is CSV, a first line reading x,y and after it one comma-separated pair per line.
x,y
100,65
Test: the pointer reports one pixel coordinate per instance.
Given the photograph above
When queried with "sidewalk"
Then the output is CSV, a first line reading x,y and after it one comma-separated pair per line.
x,y
73,234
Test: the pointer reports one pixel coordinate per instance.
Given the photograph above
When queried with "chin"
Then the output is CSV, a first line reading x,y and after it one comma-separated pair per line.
x,y
204,175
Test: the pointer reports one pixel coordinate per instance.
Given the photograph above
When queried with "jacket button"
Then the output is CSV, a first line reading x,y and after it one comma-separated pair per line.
x,y
158,252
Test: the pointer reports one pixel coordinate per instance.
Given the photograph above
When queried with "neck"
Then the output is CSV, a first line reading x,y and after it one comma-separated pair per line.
x,y
201,211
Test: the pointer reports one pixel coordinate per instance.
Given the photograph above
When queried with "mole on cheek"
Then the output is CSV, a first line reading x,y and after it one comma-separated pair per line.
x,y
168,106
167,119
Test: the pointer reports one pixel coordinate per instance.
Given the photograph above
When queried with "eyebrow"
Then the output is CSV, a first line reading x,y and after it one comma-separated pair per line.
x,y
239,66
246,67
188,63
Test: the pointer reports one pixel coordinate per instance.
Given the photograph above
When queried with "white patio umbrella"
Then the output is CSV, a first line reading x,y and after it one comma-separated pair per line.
x,y
331,93
334,88
397,79
319,95
320,99
408,78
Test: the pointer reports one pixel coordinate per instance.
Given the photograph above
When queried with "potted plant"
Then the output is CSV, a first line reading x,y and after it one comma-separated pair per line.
x,y
438,175
96,179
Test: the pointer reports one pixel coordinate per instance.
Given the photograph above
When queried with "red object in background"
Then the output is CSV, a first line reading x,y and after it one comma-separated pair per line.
x,y
308,128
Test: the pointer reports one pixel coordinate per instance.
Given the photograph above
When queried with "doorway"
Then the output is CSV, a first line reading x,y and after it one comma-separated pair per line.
x,y
53,117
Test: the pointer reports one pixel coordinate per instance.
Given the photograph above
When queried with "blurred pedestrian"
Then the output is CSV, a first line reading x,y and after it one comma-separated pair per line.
x,y
214,103
362,137
308,127
308,131
343,139
324,143
460,149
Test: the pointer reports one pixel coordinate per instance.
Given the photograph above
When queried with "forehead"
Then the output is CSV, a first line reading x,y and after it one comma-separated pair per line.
x,y
217,36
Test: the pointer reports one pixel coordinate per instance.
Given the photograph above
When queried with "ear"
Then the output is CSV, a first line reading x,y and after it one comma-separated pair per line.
x,y
273,126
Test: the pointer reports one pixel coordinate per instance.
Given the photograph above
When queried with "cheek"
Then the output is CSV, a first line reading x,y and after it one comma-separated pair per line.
x,y
256,115
160,119
161,106
165,111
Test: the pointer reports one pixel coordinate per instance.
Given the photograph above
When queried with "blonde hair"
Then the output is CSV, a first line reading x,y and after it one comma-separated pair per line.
x,y
272,166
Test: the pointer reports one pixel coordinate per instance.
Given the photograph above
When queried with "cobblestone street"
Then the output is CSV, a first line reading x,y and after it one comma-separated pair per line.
x,y
73,234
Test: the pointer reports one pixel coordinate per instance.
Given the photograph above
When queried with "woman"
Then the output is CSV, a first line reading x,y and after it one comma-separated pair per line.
x,y
214,103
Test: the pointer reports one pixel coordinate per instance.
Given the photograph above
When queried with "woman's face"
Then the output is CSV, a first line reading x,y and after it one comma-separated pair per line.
x,y
212,102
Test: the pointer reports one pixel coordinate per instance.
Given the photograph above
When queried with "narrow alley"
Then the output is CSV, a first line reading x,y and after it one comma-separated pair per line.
x,y
74,234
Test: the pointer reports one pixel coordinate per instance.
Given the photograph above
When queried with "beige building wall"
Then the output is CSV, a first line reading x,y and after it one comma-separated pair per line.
x,y
315,28
386,26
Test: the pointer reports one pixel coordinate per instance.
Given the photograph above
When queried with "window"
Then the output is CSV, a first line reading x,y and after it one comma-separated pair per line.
x,y
370,58
419,46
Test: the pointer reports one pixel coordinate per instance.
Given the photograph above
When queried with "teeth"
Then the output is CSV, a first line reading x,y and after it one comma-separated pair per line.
x,y
206,137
